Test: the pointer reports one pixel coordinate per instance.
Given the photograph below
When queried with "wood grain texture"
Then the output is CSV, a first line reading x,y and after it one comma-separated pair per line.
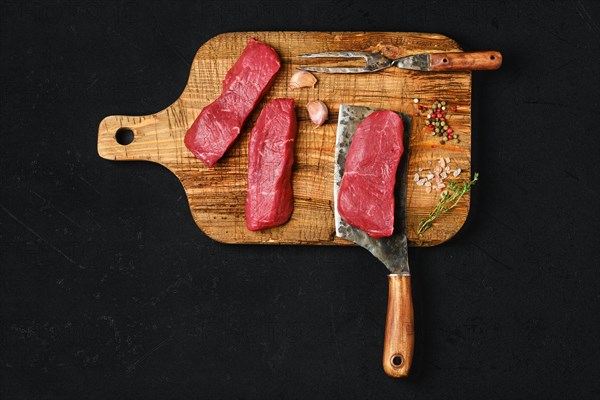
x,y
217,195
472,61
399,339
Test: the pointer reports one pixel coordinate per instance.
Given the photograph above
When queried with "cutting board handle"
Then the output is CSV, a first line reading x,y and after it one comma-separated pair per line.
x,y
153,137
399,328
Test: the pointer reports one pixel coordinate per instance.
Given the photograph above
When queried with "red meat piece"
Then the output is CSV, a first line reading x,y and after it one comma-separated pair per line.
x,y
220,122
366,195
269,201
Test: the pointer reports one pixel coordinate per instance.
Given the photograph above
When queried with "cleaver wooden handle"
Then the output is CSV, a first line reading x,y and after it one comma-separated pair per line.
x,y
465,61
399,328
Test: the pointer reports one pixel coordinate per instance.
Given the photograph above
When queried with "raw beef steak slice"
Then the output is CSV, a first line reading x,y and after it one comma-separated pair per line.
x,y
269,201
220,122
366,195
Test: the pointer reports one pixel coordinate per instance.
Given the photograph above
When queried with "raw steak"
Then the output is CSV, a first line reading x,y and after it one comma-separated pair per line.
x,y
220,122
269,201
366,195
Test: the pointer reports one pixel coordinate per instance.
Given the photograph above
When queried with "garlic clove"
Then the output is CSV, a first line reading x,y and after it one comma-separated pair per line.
x,y
317,111
302,79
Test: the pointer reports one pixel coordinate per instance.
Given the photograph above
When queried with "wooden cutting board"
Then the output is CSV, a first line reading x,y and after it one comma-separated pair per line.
x,y
217,195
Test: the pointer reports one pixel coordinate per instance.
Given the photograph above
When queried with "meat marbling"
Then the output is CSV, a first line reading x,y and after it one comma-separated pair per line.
x,y
219,123
269,200
366,195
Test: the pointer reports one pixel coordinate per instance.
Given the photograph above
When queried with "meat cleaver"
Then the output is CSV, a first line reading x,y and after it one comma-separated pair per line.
x,y
391,251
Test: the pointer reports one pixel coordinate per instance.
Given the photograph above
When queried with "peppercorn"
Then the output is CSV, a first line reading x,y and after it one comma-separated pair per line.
x,y
436,120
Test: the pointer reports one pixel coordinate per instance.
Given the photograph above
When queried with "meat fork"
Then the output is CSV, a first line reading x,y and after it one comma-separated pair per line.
x,y
459,61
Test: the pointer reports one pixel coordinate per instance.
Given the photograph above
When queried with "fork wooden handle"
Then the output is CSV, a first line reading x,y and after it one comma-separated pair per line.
x,y
466,61
399,328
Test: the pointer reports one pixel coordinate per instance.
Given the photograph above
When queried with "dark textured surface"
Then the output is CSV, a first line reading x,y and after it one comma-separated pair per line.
x,y
110,291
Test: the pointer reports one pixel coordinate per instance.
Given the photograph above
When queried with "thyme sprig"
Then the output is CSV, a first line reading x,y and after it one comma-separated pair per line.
x,y
449,200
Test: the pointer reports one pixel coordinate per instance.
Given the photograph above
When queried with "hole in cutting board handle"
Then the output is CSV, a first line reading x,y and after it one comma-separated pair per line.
x,y
124,136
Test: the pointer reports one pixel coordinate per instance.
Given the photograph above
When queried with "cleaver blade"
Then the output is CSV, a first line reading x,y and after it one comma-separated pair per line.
x,y
392,251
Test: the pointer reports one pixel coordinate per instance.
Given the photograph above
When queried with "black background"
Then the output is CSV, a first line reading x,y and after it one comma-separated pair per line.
x,y
109,290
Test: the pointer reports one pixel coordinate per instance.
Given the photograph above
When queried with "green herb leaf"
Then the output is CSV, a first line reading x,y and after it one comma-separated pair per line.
x,y
449,200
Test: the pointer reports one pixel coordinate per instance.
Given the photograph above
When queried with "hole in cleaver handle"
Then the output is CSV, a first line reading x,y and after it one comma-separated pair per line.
x,y
399,328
